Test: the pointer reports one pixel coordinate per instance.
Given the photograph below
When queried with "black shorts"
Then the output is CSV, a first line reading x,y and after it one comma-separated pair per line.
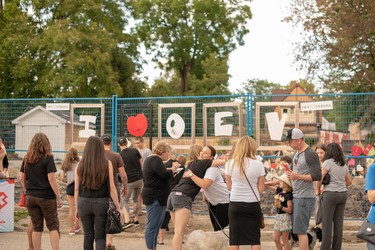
x,y
70,189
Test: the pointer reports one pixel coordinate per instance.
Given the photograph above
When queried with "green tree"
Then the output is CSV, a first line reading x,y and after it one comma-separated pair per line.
x,y
183,33
259,87
338,44
165,86
77,49
19,61
214,80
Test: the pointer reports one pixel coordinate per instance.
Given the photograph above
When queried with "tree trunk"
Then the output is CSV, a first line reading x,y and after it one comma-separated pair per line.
x,y
184,79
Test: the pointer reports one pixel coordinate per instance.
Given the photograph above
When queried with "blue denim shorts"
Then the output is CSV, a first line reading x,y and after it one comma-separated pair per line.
x,y
178,200
302,210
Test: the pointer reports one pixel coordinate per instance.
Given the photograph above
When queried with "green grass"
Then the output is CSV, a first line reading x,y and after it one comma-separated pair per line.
x,y
20,215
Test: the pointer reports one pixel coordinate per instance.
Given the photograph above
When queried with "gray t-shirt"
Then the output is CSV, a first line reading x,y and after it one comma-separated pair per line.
x,y
217,193
306,163
145,152
337,173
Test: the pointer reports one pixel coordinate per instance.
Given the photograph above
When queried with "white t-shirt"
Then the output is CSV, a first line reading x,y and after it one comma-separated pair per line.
x,y
217,193
241,190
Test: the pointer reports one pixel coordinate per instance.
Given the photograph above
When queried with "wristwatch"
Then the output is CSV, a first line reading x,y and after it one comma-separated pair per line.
x,y
191,175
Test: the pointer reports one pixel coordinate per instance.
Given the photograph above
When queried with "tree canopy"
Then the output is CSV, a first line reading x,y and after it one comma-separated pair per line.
x,y
181,34
338,46
67,48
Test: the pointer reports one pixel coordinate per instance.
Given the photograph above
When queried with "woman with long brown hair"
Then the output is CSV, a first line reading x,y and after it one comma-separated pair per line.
x,y
38,178
93,186
67,176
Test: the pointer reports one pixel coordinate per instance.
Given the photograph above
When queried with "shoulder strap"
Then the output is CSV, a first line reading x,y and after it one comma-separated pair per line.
x,y
250,184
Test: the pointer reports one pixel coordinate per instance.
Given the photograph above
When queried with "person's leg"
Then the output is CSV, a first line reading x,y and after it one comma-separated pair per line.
x,y
54,237
100,208
72,218
370,246
211,212
163,227
30,235
328,210
137,190
338,220
221,214
276,239
181,219
49,210
285,240
37,240
302,210
87,219
155,216
129,192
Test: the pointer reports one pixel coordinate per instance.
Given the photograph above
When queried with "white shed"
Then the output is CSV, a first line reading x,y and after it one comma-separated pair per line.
x,y
55,124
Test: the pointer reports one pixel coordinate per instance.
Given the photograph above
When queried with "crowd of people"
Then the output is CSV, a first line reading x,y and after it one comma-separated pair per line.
x,y
167,185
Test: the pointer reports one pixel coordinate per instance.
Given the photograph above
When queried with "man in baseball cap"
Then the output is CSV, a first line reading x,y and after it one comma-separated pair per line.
x,y
293,134
306,170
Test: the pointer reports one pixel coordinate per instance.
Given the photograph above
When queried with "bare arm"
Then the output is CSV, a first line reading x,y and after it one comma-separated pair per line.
x,y
112,187
261,184
228,180
124,180
23,182
203,183
217,162
371,195
348,179
62,176
55,187
76,186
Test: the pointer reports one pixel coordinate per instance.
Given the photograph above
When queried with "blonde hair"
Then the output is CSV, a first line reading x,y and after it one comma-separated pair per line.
x,y
246,147
161,147
194,152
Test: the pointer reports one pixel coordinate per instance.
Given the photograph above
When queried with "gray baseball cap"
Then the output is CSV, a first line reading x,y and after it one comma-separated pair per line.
x,y
292,134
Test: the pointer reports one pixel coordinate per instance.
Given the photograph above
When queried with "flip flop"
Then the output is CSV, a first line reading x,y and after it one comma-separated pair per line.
x,y
160,243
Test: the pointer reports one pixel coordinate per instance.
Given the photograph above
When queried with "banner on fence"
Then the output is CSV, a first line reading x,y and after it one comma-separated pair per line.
x,y
6,205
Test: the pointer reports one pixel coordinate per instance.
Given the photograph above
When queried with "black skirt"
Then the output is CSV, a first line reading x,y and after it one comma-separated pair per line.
x,y
244,223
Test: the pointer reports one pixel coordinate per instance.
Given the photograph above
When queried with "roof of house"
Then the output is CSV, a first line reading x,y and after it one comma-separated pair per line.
x,y
279,95
62,116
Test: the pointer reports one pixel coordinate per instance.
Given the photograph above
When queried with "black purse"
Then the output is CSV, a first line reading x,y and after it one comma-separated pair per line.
x,y
262,224
114,225
326,179
367,230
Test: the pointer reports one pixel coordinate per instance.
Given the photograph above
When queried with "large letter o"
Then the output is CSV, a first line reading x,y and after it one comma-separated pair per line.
x,y
179,126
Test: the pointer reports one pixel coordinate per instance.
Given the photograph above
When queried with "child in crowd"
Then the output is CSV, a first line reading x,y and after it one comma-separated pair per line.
x,y
284,206
286,162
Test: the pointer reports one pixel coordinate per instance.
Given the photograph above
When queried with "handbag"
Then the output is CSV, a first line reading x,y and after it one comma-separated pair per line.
x,y
113,225
262,223
367,230
326,179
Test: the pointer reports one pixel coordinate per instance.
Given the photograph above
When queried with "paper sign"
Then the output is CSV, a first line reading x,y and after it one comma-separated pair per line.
x,y
57,106
275,126
223,130
178,129
310,106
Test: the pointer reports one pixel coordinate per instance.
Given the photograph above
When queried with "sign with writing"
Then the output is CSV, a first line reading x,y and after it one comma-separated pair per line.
x,y
311,106
58,106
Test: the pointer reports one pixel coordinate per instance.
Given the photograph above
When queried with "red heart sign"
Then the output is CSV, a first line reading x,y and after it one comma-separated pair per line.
x,y
356,150
137,125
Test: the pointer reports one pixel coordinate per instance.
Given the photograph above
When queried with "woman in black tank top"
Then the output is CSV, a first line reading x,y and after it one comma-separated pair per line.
x,y
93,185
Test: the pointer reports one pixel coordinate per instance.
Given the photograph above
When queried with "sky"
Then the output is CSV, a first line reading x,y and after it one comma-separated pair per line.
x,y
267,53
